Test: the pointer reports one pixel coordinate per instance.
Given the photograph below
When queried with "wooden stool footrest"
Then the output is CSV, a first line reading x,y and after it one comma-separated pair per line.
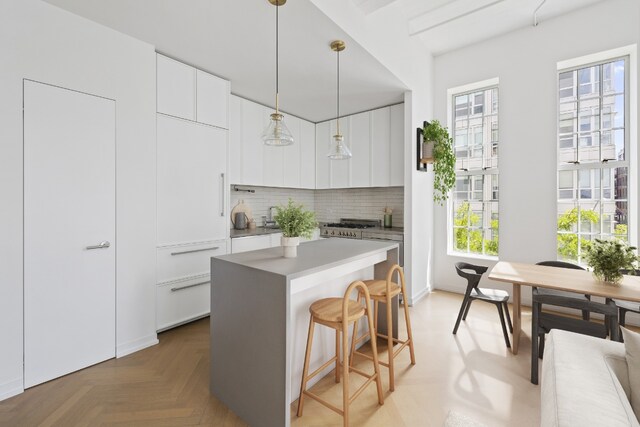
x,y
324,402
321,368
362,387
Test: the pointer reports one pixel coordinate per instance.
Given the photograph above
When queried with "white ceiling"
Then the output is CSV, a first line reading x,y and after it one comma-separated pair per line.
x,y
236,40
445,25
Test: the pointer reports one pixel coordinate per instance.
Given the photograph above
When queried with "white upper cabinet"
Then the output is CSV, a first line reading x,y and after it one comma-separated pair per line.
x,y
376,140
397,145
254,163
176,88
212,100
323,140
191,94
380,147
292,156
307,154
359,140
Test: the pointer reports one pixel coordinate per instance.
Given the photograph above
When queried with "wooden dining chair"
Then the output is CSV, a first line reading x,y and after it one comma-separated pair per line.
x,y
498,297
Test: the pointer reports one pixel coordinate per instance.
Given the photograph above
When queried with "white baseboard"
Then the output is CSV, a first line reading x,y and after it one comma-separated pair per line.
x,y
11,388
136,345
415,298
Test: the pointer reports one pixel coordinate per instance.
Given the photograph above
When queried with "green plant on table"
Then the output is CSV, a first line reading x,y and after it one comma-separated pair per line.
x,y
608,257
295,221
444,160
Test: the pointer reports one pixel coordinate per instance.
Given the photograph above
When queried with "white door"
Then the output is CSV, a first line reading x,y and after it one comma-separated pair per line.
x,y
69,208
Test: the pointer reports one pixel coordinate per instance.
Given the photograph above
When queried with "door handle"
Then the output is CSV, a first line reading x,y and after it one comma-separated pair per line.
x,y
222,191
102,245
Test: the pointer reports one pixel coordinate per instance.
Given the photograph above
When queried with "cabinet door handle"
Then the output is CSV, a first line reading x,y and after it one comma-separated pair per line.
x,y
213,248
102,245
193,285
222,194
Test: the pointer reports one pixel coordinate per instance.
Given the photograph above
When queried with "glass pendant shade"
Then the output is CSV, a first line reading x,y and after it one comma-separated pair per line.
x,y
339,150
277,133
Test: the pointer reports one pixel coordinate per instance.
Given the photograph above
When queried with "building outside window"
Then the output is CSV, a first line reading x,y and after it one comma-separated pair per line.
x,y
474,205
593,163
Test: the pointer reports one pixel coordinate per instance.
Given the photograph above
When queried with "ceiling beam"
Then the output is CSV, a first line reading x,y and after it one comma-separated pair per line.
x,y
447,13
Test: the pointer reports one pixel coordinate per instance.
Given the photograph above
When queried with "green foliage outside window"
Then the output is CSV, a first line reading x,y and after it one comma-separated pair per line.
x,y
472,238
568,241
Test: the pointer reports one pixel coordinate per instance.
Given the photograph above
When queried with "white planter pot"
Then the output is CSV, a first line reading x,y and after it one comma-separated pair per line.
x,y
290,245
427,152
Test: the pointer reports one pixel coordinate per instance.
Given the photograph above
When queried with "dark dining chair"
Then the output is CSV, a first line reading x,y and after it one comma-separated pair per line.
x,y
473,274
625,306
542,323
563,264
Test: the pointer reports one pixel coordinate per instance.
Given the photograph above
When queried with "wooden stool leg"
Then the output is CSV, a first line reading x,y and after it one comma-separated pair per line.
x,y
305,370
354,338
337,356
374,349
375,317
392,385
407,320
345,373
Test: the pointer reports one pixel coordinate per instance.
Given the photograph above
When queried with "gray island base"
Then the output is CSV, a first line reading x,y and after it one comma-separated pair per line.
x,y
260,317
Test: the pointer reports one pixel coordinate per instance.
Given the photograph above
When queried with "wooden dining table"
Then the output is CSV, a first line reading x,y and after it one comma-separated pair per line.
x,y
564,279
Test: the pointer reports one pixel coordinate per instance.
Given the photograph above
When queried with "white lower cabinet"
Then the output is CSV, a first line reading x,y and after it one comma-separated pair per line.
x,y
181,301
183,291
251,243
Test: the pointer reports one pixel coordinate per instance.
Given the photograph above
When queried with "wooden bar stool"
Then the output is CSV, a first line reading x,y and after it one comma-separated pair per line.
x,y
339,313
383,291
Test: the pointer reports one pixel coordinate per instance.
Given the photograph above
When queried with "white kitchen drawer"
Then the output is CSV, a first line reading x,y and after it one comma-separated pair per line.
x,y
276,239
182,300
180,261
252,243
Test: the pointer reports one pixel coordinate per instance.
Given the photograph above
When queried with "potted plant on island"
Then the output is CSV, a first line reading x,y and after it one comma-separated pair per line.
x,y
608,257
295,222
437,148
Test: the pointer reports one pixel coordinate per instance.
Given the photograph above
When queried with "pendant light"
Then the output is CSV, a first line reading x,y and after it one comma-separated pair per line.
x,y
338,150
277,134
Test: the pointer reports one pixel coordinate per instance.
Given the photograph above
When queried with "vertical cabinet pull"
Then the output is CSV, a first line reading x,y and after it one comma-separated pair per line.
x,y
222,194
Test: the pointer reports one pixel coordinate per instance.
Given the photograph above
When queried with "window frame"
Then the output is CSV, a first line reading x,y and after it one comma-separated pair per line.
x,y
469,90
628,55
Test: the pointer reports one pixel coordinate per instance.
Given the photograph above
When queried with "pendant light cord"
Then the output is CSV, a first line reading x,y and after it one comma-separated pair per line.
x,y
277,43
338,96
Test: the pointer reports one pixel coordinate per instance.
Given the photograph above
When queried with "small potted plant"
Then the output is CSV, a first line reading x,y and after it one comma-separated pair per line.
x,y
608,257
295,222
437,148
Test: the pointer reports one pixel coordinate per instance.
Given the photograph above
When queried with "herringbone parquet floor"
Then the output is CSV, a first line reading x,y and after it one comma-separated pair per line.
x,y
472,373
165,385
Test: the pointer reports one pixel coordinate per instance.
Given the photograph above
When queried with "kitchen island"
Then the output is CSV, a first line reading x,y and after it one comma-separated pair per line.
x,y
260,315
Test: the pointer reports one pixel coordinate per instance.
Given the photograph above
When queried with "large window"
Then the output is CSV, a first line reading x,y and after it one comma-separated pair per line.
x,y
475,196
593,163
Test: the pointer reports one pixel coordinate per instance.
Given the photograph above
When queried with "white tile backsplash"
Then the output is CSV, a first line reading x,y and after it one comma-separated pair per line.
x,y
265,197
329,205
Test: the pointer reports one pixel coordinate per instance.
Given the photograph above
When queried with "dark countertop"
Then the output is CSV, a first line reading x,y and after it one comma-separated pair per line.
x,y
258,231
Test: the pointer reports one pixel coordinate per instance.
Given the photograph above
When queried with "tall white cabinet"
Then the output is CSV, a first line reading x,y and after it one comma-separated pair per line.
x,y
192,188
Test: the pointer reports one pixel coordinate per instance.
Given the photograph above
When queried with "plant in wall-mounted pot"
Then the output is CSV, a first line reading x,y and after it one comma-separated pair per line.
x,y
438,149
608,257
295,222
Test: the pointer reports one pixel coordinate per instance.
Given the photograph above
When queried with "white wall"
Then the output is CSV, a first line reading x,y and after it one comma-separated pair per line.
x,y
41,42
384,34
525,62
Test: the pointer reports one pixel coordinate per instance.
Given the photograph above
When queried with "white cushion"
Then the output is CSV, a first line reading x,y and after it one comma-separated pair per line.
x,y
581,382
632,347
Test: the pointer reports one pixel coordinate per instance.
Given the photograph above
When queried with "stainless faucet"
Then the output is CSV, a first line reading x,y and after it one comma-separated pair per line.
x,y
271,221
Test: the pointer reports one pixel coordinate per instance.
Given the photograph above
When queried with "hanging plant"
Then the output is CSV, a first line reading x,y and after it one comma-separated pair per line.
x,y
444,160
